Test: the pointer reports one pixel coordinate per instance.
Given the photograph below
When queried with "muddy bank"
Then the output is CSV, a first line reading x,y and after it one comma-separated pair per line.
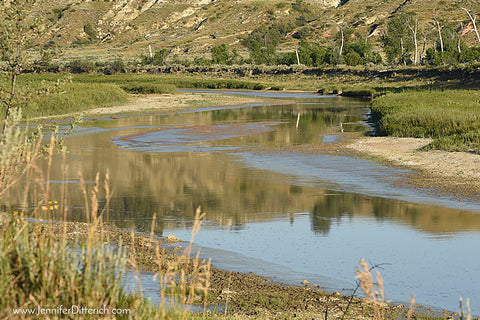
x,y
239,295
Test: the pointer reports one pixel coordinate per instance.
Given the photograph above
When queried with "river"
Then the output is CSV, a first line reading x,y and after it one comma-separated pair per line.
x,y
289,216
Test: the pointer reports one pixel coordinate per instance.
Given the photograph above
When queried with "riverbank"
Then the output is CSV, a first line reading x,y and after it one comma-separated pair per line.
x,y
166,103
239,295
454,174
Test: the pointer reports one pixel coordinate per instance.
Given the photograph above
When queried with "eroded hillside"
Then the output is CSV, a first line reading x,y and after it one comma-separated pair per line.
x,y
125,28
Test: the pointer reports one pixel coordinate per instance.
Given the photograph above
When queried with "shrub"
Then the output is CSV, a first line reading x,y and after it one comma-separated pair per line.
x,y
81,66
90,31
352,58
149,88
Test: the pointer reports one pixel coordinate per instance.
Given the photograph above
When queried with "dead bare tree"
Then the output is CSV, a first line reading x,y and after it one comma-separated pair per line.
x,y
415,41
341,45
473,18
439,28
459,38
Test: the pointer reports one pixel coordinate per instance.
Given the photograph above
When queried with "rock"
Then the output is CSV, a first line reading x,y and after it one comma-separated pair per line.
x,y
305,282
172,238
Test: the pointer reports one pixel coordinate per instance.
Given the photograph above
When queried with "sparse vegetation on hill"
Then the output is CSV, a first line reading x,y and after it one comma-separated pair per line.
x,y
188,30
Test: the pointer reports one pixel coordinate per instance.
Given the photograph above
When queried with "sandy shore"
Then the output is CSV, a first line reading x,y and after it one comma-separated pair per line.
x,y
448,173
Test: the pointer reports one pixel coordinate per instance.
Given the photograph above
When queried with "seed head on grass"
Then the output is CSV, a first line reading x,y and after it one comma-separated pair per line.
x,y
373,290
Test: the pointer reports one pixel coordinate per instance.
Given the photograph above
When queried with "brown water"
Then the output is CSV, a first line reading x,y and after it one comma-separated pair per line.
x,y
288,216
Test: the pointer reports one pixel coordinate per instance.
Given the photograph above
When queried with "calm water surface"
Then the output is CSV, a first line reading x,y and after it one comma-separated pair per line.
x,y
288,216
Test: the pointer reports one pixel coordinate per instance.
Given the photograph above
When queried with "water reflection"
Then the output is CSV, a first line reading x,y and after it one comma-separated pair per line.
x,y
235,188
171,164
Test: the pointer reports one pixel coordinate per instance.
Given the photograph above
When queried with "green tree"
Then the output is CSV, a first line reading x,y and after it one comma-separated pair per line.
x,y
157,59
160,56
220,54
262,44
360,51
398,42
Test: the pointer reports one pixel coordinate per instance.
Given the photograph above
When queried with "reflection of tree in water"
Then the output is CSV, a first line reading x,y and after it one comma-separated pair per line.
x,y
330,208
313,120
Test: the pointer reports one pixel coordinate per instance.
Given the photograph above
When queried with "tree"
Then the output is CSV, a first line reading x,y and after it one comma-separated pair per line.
x,y
414,30
155,59
221,55
262,44
17,29
397,42
473,18
440,38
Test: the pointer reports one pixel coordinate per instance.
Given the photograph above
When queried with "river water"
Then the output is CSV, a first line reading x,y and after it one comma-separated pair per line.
x,y
286,215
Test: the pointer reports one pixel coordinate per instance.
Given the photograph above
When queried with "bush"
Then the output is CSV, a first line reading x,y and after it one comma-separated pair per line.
x,y
352,58
90,31
116,66
81,66
149,88
470,54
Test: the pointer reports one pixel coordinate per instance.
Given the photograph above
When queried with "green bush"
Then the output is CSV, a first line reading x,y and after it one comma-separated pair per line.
x,y
81,66
352,58
90,31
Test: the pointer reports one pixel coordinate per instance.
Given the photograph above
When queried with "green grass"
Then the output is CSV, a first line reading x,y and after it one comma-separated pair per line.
x,y
451,117
75,97
179,81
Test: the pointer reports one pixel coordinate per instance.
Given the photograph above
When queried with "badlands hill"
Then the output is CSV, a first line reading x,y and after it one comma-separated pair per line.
x,y
126,28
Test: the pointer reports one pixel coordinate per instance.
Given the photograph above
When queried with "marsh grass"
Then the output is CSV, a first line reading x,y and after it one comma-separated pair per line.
x,y
451,117
75,97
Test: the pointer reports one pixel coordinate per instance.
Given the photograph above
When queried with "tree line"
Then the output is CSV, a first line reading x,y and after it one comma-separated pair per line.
x,y
439,42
